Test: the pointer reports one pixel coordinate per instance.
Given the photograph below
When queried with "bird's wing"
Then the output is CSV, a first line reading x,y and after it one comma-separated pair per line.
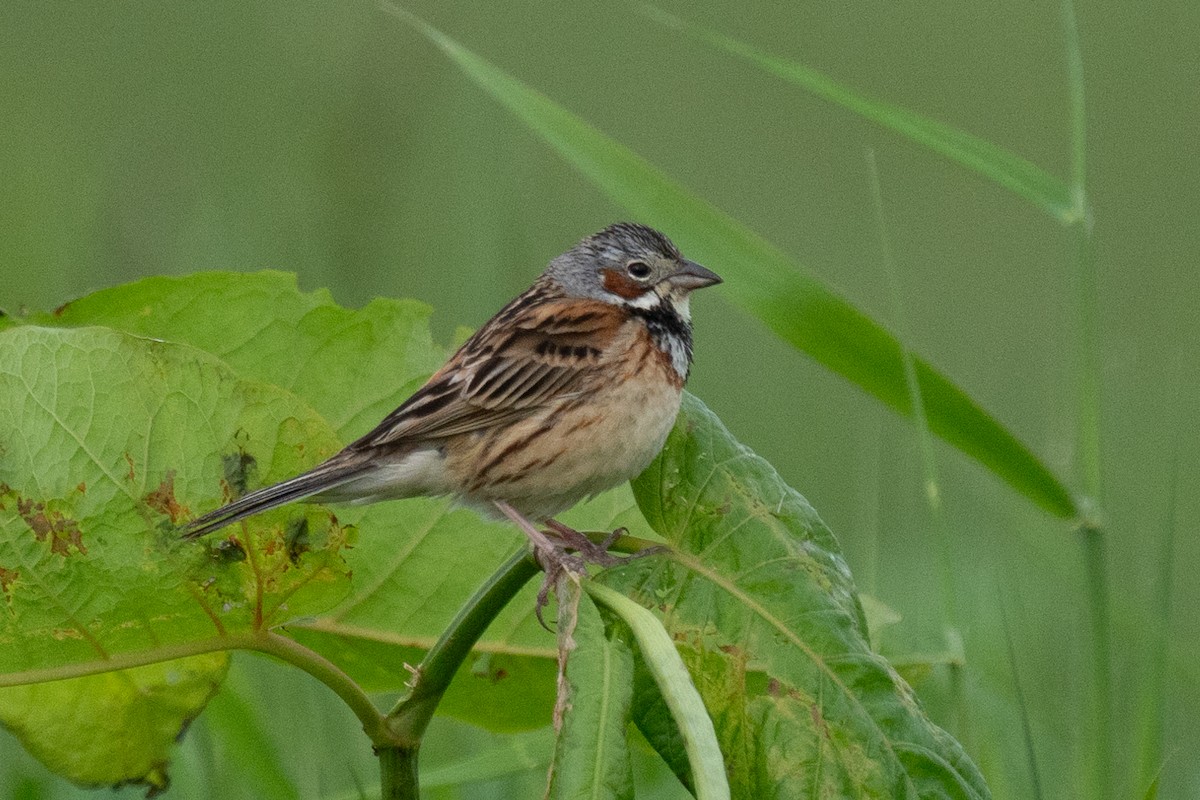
x,y
534,351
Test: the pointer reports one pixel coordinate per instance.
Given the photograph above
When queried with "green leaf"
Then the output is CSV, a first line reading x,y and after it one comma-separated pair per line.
x,y
1005,168
106,442
239,724
514,754
759,277
267,330
591,755
705,769
109,441
115,728
418,559
762,609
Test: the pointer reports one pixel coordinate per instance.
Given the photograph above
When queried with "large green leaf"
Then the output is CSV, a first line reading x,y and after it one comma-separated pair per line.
x,y
418,559
268,330
106,441
795,305
71,725
1007,169
763,611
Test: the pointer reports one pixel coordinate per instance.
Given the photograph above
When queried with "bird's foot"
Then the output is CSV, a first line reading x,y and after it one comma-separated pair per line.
x,y
597,552
556,563
550,549
551,554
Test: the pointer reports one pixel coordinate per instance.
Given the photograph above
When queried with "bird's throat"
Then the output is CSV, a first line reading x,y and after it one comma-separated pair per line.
x,y
670,331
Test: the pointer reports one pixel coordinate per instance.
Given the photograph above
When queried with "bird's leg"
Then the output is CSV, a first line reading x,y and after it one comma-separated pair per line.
x,y
554,559
592,552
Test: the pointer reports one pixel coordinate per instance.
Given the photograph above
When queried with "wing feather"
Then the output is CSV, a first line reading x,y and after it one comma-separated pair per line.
x,y
536,349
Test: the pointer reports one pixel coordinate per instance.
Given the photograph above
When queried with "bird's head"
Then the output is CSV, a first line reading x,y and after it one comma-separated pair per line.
x,y
632,265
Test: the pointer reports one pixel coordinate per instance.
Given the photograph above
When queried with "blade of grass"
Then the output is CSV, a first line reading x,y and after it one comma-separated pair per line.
x,y
916,399
1022,707
941,532
794,305
1152,790
1093,535
1153,706
1005,168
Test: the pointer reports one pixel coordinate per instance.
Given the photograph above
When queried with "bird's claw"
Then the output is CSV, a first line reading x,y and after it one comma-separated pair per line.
x,y
555,562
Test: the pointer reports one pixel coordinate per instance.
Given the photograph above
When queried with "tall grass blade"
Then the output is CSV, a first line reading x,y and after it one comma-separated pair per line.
x,y
941,532
1005,168
1095,550
1154,705
796,306
916,398
1022,707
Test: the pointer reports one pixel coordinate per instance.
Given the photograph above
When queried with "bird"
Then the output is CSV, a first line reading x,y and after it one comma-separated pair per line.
x,y
569,390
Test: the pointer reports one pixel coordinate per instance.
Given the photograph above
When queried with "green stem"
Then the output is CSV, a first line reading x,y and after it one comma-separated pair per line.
x,y
1089,454
412,713
268,643
407,721
1095,552
398,773
1026,729
941,532
328,673
1075,87
1088,322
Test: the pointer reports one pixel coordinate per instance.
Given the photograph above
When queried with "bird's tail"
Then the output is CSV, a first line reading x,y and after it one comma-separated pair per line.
x,y
321,478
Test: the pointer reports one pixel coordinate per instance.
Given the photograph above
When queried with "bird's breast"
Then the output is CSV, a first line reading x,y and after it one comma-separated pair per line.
x,y
581,444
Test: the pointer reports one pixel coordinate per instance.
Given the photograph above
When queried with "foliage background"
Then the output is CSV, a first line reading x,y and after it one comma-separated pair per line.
x,y
329,140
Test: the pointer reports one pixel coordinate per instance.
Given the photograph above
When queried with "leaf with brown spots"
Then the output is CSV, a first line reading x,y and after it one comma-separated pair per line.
x,y
88,416
62,532
7,578
163,500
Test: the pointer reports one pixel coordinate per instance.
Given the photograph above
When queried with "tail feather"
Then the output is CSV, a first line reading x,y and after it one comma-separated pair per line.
x,y
319,479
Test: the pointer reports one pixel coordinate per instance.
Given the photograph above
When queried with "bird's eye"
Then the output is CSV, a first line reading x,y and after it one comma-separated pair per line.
x,y
638,270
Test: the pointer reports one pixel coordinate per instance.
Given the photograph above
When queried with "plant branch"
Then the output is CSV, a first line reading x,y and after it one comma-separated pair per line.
x,y
412,713
328,673
266,642
407,721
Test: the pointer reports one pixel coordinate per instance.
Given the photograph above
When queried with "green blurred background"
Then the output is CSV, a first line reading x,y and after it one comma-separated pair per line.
x,y
328,139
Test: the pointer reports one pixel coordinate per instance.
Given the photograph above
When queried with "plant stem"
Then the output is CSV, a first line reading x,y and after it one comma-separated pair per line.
x,y
942,543
1095,553
328,673
398,773
1095,549
407,721
941,534
1026,729
265,642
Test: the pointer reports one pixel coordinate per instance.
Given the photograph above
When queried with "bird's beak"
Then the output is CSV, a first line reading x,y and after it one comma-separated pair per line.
x,y
693,276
